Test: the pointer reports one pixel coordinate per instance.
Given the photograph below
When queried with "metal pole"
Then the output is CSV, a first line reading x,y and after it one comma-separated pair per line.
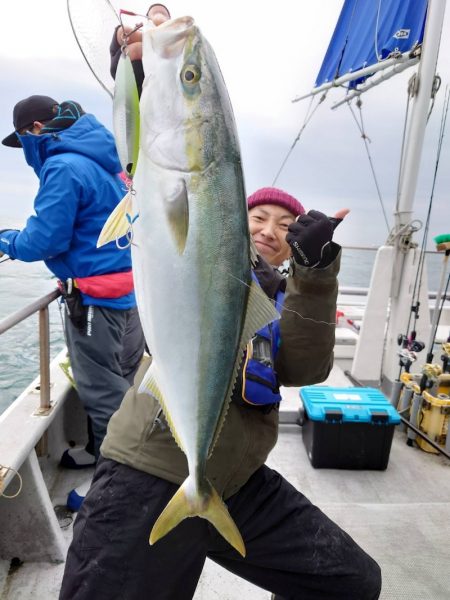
x,y
435,321
381,66
440,449
416,132
44,358
415,408
405,401
395,392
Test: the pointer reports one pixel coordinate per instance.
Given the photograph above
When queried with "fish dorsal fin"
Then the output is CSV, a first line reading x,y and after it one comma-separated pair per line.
x,y
176,206
149,386
253,252
260,312
118,223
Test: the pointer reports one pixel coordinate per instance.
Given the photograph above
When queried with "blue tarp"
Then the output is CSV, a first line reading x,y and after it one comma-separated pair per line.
x,y
369,31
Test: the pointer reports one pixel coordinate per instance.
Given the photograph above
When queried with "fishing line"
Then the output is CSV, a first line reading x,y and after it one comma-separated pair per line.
x,y
283,306
74,17
377,22
420,267
444,298
318,321
365,140
126,36
402,149
60,304
307,119
132,14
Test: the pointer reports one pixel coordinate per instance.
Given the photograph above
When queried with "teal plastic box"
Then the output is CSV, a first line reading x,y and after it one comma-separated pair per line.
x,y
347,428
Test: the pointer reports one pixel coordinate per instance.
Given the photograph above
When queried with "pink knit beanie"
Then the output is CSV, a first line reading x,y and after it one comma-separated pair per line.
x,y
270,195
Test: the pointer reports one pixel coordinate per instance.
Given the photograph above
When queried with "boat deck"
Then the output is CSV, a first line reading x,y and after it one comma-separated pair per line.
x,y
400,516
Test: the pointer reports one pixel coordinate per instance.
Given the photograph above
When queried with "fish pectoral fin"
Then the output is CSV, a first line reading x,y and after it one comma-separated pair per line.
x,y
208,506
253,252
119,222
260,312
150,386
176,206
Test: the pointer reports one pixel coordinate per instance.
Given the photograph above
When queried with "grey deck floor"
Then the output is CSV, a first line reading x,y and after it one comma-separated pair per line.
x,y
400,516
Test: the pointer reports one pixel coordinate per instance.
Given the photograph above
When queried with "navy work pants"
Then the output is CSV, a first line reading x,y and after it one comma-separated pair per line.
x,y
104,357
293,549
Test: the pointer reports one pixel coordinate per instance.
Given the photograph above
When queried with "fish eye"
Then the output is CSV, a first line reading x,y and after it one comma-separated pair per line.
x,y
190,74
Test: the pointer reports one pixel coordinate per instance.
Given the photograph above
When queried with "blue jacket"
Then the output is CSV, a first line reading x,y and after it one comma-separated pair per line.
x,y
79,188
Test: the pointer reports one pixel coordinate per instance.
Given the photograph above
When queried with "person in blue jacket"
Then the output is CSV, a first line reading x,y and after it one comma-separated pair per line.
x,y
76,161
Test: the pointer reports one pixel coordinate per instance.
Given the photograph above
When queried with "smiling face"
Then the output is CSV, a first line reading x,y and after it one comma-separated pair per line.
x,y
268,226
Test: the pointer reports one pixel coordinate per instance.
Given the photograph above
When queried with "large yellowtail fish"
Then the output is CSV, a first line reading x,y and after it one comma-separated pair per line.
x,y
191,258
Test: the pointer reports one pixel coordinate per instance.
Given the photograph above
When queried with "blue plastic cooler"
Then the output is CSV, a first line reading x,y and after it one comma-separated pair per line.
x,y
347,428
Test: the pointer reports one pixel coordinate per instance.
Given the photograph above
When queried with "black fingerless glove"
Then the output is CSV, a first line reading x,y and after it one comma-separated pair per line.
x,y
310,237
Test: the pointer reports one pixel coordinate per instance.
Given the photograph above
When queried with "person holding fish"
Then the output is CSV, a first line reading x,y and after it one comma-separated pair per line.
x,y
292,549
182,473
132,37
75,158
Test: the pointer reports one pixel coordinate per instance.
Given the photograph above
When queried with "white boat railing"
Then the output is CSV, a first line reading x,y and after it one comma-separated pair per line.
x,y
40,305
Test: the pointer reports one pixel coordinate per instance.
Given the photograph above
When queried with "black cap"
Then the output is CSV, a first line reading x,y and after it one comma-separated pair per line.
x,y
34,108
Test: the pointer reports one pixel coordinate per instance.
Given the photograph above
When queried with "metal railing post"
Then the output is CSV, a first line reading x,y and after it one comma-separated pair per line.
x,y
41,306
44,358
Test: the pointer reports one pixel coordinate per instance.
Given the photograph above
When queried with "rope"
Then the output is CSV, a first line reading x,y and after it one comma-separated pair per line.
x,y
18,475
377,22
365,140
434,90
308,118
410,93
407,229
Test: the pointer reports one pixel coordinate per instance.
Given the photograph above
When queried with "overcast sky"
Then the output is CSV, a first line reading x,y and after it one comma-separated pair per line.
x,y
269,53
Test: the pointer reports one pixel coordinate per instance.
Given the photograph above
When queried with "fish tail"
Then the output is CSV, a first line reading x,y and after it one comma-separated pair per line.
x,y
209,506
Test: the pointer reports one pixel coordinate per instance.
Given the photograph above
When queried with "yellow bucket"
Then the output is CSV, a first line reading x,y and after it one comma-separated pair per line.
x,y
433,419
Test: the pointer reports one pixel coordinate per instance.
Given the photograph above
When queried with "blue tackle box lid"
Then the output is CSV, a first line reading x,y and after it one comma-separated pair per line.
x,y
340,405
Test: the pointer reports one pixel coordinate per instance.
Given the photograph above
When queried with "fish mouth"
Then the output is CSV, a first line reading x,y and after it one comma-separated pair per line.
x,y
168,39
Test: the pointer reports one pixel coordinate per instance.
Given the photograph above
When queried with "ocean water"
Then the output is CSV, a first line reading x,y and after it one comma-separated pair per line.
x,y
21,283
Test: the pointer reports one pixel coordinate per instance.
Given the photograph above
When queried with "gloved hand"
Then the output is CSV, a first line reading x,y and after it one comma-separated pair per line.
x,y
310,236
3,231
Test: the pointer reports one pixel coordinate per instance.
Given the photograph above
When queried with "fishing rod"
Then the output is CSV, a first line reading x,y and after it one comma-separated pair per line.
x,y
3,260
405,421
408,341
442,244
